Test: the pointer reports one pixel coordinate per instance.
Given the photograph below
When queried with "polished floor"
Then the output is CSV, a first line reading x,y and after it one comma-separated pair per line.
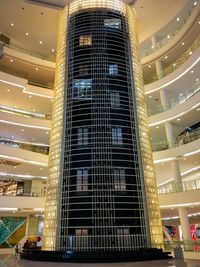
x,y
12,261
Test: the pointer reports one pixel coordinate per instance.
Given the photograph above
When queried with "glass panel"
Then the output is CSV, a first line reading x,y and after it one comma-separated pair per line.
x,y
113,23
113,69
82,89
85,40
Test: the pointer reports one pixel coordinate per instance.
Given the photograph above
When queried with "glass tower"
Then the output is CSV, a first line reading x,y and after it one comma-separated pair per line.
x,y
101,192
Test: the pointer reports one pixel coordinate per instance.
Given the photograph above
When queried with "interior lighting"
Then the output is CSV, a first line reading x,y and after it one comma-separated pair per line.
x,y
163,160
25,125
182,43
177,19
149,66
12,24
178,119
30,96
198,109
40,42
8,90
150,96
190,53
157,127
11,60
166,57
24,161
199,21
192,71
36,68
168,36
180,205
192,153
195,3
8,209
27,34
53,50
22,175
197,79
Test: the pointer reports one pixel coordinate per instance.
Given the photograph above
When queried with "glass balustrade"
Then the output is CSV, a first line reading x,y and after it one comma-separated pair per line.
x,y
26,146
24,113
15,192
176,64
173,187
178,141
175,101
169,31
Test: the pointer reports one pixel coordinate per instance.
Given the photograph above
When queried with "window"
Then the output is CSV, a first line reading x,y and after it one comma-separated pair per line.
x,y
82,180
113,69
119,179
82,89
85,40
117,136
81,232
113,23
122,231
82,136
115,99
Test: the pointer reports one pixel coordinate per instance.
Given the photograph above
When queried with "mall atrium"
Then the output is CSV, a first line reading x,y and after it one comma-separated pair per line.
x,y
169,42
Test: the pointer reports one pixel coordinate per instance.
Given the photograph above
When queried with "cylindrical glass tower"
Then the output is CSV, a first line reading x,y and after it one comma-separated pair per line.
x,y
101,192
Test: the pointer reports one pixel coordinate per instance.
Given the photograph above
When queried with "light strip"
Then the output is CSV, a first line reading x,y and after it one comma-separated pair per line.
x,y
180,205
191,153
38,209
175,117
36,94
175,79
8,209
14,84
25,125
25,161
22,175
163,160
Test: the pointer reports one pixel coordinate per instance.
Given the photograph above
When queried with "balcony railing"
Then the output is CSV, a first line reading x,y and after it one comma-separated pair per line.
x,y
176,64
175,101
42,149
24,113
178,141
169,31
173,187
13,191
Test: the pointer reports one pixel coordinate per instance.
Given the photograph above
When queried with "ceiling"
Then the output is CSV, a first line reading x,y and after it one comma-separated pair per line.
x,y
18,17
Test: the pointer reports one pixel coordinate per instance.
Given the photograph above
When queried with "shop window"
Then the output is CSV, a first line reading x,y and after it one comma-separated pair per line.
x,y
119,179
113,23
85,40
82,89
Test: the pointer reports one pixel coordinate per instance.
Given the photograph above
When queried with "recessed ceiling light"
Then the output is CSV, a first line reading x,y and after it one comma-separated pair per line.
x,y
182,43
15,167
22,130
178,119
199,21
53,50
177,19
184,158
150,96
198,109
152,47
27,33
41,169
181,94
149,66
195,3
157,127
197,79
40,42
33,139
190,53
168,36
11,60
33,110
8,90
36,68
47,132
12,24
166,57
174,64
195,162
30,96
192,71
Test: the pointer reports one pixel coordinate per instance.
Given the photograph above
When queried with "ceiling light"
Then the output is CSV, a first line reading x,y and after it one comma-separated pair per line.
x,y
12,136
174,64
190,53
157,127
182,43
197,79
168,36
178,119
11,60
166,57
149,66
198,109
150,96
47,132
8,90
53,50
41,169
33,110
27,33
181,94
40,42
12,24
177,19
195,3
33,139
36,68
192,71
152,47
199,21
22,130
30,96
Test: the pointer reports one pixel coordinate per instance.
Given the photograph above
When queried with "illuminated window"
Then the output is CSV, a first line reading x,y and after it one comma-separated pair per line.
x,y
122,231
82,136
81,232
82,89
117,136
85,40
119,179
82,180
113,69
113,23
115,99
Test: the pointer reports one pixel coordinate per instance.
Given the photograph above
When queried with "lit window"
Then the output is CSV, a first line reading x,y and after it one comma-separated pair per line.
x,y
85,40
122,231
113,23
113,69
119,179
117,136
82,89
81,232
115,99
82,180
82,136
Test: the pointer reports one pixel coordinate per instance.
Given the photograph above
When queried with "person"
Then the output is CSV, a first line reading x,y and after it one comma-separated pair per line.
x,y
26,245
17,250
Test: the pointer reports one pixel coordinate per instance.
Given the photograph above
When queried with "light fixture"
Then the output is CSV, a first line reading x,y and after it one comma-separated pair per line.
x,y
177,19
149,66
198,109
47,132
178,119
199,21
40,42
166,57
27,33
12,24
30,96
168,36
195,3
181,94
182,43
8,90
33,110
22,130
53,50
152,47
192,71
190,53
197,79
11,60
33,139
174,64
157,127
36,68
150,96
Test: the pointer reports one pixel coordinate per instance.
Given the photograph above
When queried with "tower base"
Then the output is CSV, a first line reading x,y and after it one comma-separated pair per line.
x,y
144,254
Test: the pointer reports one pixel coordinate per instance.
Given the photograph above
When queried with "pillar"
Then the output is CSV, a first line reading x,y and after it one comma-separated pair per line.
x,y
185,227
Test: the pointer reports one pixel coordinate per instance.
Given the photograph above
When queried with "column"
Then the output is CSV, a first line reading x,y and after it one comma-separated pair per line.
x,y
169,130
164,99
185,227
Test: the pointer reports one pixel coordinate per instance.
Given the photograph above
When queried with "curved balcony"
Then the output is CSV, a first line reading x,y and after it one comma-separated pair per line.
x,y
182,98
178,141
176,64
37,148
171,30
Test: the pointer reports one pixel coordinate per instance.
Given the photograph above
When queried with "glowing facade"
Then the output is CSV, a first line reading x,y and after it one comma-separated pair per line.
x,y
101,192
